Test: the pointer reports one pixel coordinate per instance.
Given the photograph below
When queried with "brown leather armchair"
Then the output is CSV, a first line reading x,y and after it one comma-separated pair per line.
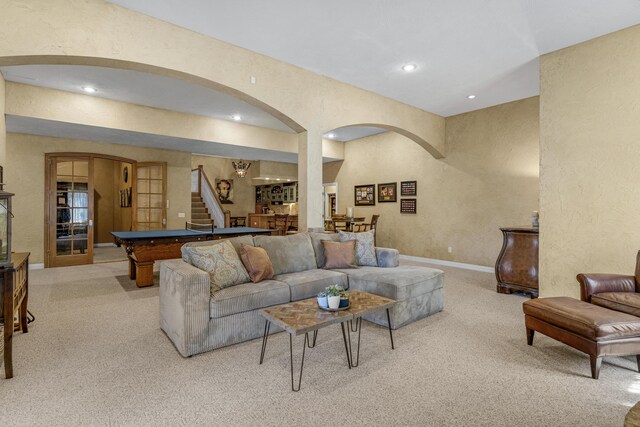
x,y
614,291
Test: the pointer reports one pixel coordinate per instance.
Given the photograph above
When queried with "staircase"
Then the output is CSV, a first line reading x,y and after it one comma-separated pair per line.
x,y
199,213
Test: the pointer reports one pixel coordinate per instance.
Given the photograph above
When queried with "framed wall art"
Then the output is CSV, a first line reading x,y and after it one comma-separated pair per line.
x,y
408,206
409,188
365,195
388,192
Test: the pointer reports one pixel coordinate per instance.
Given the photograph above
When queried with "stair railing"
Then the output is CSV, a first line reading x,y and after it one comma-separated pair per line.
x,y
200,183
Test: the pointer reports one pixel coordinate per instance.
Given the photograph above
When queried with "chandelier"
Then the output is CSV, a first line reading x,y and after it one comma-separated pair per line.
x,y
241,168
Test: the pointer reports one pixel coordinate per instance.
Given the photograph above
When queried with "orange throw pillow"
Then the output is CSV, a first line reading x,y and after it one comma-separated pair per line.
x,y
339,254
257,263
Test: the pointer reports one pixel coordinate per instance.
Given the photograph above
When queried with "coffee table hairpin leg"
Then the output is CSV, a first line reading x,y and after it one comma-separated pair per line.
x,y
267,326
305,343
358,329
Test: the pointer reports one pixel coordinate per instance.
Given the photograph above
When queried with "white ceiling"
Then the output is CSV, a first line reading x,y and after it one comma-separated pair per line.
x,y
143,89
488,48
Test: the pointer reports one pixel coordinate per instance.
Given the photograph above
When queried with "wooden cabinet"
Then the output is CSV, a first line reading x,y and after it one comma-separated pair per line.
x,y
517,264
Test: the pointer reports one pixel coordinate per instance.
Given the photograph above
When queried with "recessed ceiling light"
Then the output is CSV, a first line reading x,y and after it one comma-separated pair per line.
x,y
277,179
288,180
89,89
236,117
267,179
409,67
471,97
331,135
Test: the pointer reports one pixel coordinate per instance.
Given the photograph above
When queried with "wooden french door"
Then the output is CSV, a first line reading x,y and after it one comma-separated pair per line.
x,y
69,202
150,196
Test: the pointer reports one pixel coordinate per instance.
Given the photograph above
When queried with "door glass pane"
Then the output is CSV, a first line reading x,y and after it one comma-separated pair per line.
x,y
80,215
64,168
155,201
155,172
63,247
79,247
63,231
143,186
80,200
143,200
80,185
143,173
81,168
63,199
80,231
143,215
64,183
63,215
155,215
155,187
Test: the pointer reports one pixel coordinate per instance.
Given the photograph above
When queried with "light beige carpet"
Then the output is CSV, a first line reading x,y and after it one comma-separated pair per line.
x,y
96,356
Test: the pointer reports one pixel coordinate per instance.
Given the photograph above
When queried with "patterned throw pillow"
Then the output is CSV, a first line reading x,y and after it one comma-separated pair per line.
x,y
222,263
365,249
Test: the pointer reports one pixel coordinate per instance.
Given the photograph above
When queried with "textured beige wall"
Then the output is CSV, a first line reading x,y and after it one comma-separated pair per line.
x,y
25,177
244,196
489,179
590,152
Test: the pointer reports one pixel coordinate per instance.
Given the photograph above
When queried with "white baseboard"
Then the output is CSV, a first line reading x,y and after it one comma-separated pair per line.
x,y
449,263
104,245
36,266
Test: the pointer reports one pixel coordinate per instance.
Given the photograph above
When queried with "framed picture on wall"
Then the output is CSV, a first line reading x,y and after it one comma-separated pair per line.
x,y
408,206
224,189
409,188
365,195
388,192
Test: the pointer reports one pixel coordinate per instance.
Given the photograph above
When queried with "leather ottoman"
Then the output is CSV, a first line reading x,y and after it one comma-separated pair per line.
x,y
589,328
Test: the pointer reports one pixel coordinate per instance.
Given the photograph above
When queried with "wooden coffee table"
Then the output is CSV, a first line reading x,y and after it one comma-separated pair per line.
x,y
304,317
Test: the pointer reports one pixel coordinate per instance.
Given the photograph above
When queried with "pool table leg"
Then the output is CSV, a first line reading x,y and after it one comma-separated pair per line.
x,y
132,268
144,273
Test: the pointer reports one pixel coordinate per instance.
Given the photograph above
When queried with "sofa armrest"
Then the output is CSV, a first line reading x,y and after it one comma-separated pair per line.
x,y
185,292
388,257
598,283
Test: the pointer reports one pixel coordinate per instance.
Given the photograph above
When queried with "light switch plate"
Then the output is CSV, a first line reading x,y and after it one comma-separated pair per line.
x,y
181,215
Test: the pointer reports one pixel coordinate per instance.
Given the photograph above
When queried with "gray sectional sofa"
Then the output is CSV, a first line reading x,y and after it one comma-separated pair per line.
x,y
198,320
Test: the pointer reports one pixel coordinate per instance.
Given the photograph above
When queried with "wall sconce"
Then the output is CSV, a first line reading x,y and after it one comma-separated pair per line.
x,y
241,168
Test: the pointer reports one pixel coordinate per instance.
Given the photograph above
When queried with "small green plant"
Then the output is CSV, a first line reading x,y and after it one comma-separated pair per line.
x,y
344,295
334,291
322,294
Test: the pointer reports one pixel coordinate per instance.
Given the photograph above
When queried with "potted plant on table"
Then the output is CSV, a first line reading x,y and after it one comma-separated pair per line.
x,y
344,299
333,296
322,299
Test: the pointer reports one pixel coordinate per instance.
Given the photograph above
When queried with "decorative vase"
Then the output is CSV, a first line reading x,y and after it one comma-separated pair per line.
x,y
322,302
334,302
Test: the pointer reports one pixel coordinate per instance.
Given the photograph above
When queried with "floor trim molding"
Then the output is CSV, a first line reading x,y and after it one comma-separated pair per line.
x,y
104,245
449,263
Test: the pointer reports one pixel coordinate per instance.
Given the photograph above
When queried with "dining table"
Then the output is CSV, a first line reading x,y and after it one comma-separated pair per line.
x,y
349,221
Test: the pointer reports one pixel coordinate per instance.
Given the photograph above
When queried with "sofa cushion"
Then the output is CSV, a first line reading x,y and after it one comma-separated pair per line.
x,y
288,254
316,242
221,262
365,247
339,254
235,241
257,263
248,297
398,283
307,284
626,302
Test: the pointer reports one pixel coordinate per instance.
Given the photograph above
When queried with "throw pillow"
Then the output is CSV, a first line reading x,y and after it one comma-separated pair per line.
x,y
222,263
257,263
365,249
339,254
